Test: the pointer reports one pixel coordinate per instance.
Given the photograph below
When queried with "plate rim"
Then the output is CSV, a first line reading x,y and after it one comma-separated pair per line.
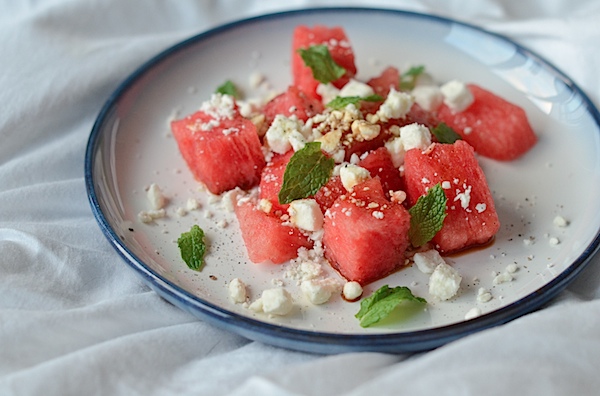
x,y
307,340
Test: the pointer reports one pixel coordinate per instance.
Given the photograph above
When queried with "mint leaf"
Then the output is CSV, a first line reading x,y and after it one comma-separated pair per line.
x,y
382,302
308,170
427,216
445,134
340,102
408,79
228,88
192,248
319,59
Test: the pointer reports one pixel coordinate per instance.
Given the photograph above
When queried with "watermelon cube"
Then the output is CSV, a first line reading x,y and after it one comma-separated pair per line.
x,y
272,179
266,237
390,77
292,102
471,215
365,235
223,152
327,195
379,163
494,127
339,47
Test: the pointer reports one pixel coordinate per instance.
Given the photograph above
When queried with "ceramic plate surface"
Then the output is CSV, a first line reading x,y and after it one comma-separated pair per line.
x,y
130,147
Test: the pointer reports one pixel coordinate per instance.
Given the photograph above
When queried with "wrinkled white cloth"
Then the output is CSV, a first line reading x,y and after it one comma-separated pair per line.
x,y
75,320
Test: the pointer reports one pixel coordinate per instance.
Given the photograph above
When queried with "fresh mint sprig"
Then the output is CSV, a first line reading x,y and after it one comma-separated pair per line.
x,y
323,67
192,247
228,88
340,102
382,302
427,216
445,134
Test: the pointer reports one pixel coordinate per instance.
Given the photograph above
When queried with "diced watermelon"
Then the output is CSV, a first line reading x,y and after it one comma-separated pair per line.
x,y
381,85
379,163
339,47
327,195
272,179
471,215
266,237
226,155
292,102
365,243
359,147
494,127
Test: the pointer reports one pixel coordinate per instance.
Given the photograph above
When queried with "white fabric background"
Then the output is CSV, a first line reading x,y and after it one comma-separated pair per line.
x,y
75,320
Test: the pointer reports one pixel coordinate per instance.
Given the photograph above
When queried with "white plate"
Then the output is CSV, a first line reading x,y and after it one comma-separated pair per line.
x,y
130,147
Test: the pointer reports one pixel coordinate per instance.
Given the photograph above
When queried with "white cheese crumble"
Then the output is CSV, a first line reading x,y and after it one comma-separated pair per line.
x,y
560,221
148,216
285,133
156,197
456,95
464,197
237,290
319,291
351,175
352,290
415,136
428,97
483,295
356,88
396,149
219,106
328,92
444,282
277,301
306,214
428,260
396,105
503,278
473,313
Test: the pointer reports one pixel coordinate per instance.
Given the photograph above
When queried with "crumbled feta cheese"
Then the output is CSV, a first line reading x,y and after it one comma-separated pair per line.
x,y
446,185
512,268
473,313
396,105
444,282
156,197
306,214
503,278
283,129
415,136
553,241
148,216
192,204
396,149
328,92
560,221
356,88
265,205
428,97
464,197
351,175
319,291
237,290
330,141
352,290
456,95
219,106
427,261
277,301
483,295
480,207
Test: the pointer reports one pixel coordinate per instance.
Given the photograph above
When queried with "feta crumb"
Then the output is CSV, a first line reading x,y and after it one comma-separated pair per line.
x,y
480,207
456,95
330,141
319,291
446,185
219,106
192,204
237,290
328,92
512,268
415,136
396,149
428,97
560,221
352,290
265,205
483,295
277,301
306,214
351,175
473,313
553,241
282,131
503,278
427,261
356,88
156,197
444,282
396,105
148,216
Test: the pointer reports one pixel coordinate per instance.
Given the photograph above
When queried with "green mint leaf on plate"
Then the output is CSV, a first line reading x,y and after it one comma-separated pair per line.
x,y
228,88
340,102
445,134
192,247
427,216
308,170
408,79
382,302
319,59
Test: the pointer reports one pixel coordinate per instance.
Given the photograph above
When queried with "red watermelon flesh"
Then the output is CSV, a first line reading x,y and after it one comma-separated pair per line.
x,y
327,195
266,237
339,47
292,102
363,242
379,163
223,153
471,215
381,85
494,127
272,179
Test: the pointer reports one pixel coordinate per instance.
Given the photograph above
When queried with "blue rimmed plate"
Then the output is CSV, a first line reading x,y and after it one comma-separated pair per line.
x,y
130,147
